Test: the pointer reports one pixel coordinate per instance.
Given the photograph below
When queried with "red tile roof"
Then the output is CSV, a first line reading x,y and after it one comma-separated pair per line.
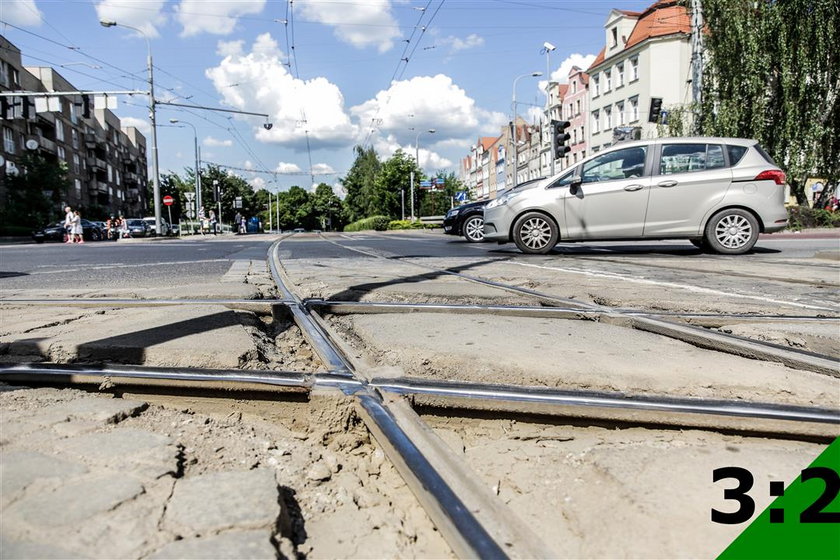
x,y
487,141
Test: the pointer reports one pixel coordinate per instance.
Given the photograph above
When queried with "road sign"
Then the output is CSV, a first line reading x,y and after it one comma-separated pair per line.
x,y
237,202
461,196
168,200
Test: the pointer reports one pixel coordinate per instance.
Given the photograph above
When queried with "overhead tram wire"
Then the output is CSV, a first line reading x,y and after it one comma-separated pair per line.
x,y
289,26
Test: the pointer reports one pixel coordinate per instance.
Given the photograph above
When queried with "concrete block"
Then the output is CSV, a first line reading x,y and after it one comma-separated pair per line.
x,y
19,469
243,545
145,454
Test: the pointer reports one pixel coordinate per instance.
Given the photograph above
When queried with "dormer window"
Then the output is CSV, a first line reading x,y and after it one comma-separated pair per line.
x,y
614,37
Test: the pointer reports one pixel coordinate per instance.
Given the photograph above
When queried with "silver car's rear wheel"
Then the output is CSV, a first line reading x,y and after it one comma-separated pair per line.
x,y
732,232
535,233
473,229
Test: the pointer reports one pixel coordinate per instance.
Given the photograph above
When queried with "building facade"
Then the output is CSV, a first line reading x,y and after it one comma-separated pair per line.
x,y
576,111
106,164
646,55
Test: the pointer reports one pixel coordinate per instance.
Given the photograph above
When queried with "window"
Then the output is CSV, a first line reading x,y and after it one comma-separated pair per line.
x,y
574,86
614,31
577,107
59,131
619,75
9,140
607,81
634,109
607,118
596,122
62,155
4,73
619,107
620,164
596,89
73,117
685,158
634,68
564,180
76,168
735,154
78,184
74,134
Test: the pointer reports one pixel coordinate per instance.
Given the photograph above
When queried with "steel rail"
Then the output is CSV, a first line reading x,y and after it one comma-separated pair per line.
x,y
129,302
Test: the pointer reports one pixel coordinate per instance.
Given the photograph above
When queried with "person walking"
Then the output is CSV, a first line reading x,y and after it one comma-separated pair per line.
x,y
78,231
213,221
68,225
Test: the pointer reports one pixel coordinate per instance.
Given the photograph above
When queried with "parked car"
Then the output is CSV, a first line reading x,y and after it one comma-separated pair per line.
x,y
466,220
139,228
718,193
165,228
56,232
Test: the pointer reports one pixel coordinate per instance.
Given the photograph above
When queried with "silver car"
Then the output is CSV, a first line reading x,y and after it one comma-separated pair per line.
x,y
718,193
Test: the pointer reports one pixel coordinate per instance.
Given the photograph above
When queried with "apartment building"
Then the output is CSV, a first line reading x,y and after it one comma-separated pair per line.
x,y
106,164
576,111
646,55
554,112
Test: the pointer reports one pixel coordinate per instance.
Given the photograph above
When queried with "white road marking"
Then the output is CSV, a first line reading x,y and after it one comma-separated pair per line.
x,y
112,266
690,288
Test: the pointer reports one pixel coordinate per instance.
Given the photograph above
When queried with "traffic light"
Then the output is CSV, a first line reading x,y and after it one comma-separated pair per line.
x,y
655,109
559,137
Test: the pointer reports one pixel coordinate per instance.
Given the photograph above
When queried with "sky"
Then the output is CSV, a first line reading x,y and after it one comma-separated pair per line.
x,y
331,74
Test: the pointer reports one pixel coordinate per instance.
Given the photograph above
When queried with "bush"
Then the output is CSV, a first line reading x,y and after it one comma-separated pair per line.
x,y
805,217
405,224
378,223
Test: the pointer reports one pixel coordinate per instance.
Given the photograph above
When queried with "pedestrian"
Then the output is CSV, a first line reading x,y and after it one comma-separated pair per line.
x,y
202,220
213,222
68,225
243,225
236,220
78,232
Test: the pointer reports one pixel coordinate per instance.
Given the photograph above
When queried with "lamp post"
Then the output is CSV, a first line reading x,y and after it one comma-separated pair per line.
x,y
197,162
547,48
417,160
152,118
515,126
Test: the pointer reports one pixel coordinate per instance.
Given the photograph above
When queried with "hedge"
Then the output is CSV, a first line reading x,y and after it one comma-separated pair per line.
x,y
378,223
805,217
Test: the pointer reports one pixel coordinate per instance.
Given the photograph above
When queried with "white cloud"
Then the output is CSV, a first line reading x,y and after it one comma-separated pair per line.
x,y
582,61
322,169
145,15
456,44
259,81
361,24
257,183
218,17
215,142
427,102
284,167
429,160
21,12
140,124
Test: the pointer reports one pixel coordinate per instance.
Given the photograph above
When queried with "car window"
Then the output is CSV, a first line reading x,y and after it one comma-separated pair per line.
x,y
685,158
620,164
736,153
565,179
765,155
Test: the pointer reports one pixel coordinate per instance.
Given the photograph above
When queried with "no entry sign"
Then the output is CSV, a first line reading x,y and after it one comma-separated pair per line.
x,y
168,200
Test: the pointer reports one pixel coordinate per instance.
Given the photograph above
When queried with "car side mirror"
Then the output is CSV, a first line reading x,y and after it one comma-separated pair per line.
x,y
574,186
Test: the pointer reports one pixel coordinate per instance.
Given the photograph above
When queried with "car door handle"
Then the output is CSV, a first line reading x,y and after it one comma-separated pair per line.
x,y
667,184
632,188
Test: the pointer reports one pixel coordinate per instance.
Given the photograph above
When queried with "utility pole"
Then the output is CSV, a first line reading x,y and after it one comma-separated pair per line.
x,y
696,62
515,126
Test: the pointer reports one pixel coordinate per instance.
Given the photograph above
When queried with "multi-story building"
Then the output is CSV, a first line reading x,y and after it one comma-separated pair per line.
x,y
554,112
646,55
576,111
106,164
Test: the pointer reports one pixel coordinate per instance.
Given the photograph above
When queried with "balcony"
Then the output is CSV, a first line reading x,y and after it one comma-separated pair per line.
x,y
47,145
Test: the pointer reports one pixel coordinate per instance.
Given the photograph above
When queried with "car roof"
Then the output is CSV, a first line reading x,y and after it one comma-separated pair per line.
x,y
680,140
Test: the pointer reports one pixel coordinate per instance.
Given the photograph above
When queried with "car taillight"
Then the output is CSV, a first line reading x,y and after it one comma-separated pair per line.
x,y
776,175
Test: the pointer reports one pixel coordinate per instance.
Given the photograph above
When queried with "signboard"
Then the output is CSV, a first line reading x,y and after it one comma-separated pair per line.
x,y
461,196
237,202
425,184
168,200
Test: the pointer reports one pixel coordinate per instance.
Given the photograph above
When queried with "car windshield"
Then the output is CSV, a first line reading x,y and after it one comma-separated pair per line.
x,y
135,222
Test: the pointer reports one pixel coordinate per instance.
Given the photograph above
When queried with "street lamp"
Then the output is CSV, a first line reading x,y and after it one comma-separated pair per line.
x,y
417,160
515,126
547,48
197,163
152,117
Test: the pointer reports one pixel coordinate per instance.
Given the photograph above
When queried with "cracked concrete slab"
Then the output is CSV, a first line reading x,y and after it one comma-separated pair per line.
x,y
243,545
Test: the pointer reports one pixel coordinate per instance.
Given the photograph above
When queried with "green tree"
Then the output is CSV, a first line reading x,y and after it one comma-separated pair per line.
x,y
773,74
295,207
230,187
326,207
359,183
438,201
34,195
393,177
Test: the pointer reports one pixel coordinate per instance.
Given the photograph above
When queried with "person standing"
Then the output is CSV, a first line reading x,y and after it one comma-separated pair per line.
x,y
236,220
213,221
68,225
78,232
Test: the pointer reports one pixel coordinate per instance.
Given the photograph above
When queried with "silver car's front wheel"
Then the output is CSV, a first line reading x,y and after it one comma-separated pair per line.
x,y
473,229
732,232
535,233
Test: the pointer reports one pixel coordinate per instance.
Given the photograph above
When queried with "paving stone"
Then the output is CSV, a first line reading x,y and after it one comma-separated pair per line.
x,y
146,454
92,409
225,500
12,550
19,469
243,545
75,502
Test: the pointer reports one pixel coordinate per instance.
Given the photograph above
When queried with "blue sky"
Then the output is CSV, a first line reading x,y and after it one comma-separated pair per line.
x,y
347,82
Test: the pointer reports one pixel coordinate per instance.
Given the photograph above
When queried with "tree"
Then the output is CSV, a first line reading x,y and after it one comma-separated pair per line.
x,y
34,194
230,187
773,74
359,183
295,207
326,207
393,177
437,202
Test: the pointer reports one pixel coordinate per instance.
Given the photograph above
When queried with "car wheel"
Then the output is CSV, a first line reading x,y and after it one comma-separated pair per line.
x,y
535,233
95,236
473,229
731,232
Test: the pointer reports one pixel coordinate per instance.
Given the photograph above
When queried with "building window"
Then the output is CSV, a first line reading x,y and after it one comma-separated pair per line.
x,y
8,141
4,73
596,122
634,68
620,108
76,168
62,155
74,135
607,118
620,75
596,90
78,184
574,86
614,37
607,81
73,117
59,131
634,109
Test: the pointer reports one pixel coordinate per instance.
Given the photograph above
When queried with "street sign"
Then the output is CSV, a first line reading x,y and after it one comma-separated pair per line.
x,y
237,202
461,196
168,200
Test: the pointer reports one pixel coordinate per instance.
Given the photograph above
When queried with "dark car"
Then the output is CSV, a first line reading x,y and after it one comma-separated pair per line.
x,y
138,228
57,231
466,220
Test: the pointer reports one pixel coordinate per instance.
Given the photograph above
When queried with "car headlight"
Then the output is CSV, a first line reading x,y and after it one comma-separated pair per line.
x,y
501,201
453,212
